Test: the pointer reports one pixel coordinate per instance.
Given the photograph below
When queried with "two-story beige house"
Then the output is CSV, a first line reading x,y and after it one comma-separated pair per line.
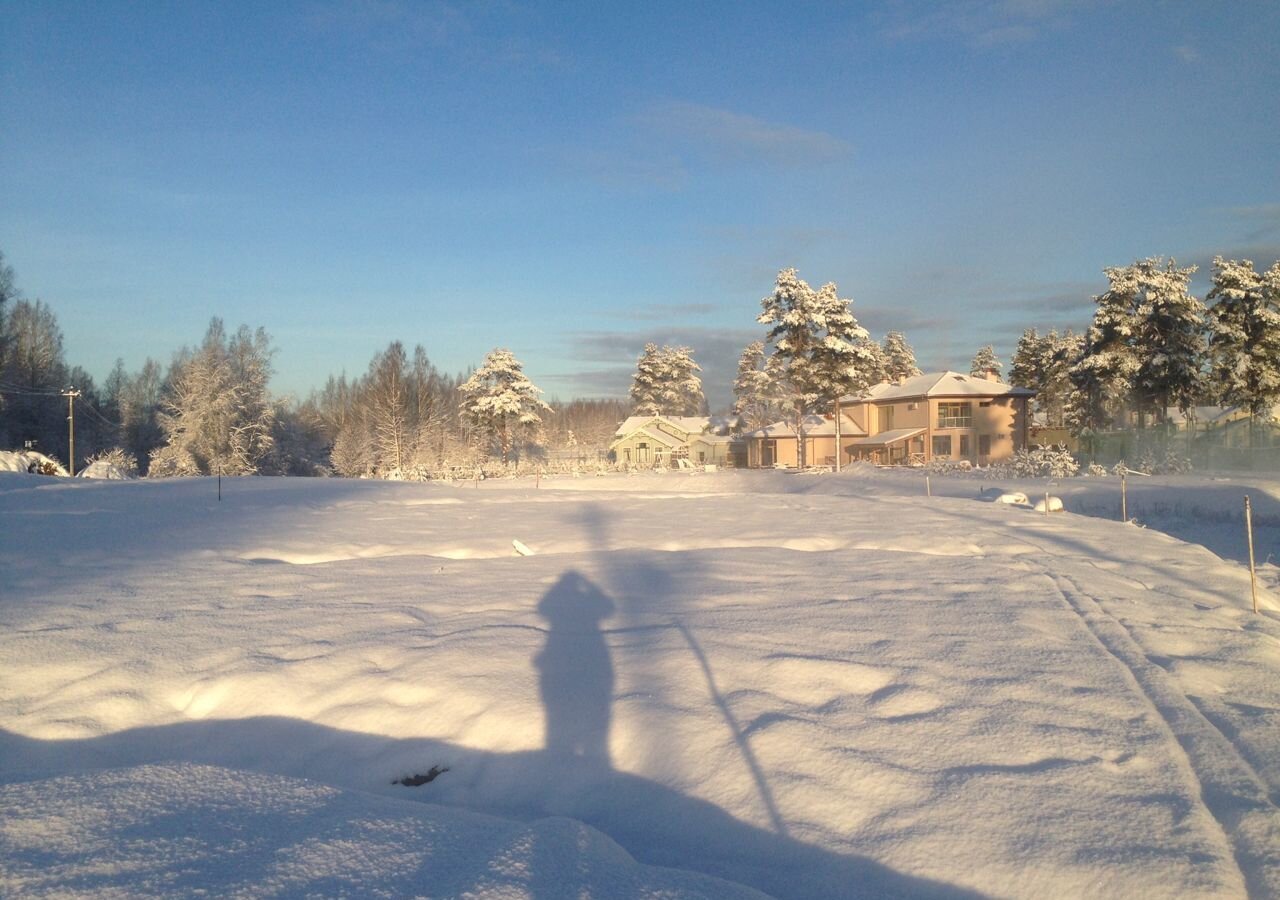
x,y
940,415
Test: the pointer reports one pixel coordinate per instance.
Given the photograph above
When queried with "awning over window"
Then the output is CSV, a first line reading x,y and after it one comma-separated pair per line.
x,y
885,438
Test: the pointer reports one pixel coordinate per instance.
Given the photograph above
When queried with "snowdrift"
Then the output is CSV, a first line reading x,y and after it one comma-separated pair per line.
x,y
801,685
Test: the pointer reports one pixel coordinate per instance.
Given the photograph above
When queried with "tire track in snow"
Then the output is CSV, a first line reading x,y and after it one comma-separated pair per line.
x,y
1230,788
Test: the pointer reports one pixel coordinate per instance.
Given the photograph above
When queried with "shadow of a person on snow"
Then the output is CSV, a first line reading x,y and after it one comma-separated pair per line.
x,y
571,775
575,674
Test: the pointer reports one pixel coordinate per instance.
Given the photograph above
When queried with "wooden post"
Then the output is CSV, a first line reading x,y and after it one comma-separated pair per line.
x,y
1046,501
837,434
1253,574
537,478
1124,499
928,488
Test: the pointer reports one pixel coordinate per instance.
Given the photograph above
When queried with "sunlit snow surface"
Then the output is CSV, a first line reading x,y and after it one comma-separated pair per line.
x,y
808,685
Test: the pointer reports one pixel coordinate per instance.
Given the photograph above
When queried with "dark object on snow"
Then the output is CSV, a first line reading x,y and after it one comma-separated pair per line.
x,y
418,780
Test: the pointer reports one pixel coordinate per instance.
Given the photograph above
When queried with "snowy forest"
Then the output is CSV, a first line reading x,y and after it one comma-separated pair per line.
x,y
1151,347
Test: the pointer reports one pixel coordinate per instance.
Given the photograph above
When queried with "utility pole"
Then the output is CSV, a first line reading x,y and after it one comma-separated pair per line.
x,y
71,394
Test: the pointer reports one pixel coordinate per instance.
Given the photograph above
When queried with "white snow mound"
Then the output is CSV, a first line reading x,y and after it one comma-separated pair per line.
x,y
102,469
179,829
1013,498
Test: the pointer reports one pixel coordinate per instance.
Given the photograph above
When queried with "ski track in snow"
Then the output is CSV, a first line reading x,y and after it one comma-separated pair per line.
x,y
796,683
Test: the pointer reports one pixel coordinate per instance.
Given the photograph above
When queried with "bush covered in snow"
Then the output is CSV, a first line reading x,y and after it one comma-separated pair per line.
x,y
1171,464
116,464
948,467
31,462
1097,471
1048,462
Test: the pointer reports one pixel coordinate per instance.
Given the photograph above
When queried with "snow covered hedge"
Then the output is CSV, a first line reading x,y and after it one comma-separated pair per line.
x,y
1043,463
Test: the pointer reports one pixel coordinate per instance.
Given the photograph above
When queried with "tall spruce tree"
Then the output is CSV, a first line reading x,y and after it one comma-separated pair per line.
x,y
755,396
1144,350
819,349
646,384
681,390
1171,340
1244,341
666,382
1043,363
985,363
900,359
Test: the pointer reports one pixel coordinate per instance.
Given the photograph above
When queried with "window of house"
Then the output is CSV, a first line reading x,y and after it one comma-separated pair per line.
x,y
984,445
955,415
964,446
911,406
942,445
984,403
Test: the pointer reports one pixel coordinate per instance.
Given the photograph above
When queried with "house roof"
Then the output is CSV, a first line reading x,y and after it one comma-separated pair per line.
x,y
885,438
687,424
938,384
814,426
654,434
1207,415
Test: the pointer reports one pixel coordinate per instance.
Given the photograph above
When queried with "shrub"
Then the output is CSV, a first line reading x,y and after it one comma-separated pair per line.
x,y
118,458
1050,462
948,467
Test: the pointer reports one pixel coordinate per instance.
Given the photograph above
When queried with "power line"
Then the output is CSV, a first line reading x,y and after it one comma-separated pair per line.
x,y
26,392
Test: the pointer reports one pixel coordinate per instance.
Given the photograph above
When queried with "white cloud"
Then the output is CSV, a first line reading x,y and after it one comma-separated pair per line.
x,y
981,23
724,135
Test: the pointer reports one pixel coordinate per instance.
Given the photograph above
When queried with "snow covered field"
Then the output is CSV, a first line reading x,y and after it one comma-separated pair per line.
x,y
804,685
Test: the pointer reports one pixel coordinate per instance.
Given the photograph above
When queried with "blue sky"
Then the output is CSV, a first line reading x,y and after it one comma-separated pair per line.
x,y
572,180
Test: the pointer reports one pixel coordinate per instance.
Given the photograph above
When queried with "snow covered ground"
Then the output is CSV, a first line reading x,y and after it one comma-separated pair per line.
x,y
803,685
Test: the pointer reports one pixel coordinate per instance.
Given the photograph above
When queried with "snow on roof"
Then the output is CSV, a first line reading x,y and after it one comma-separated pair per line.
x,y
687,424
885,438
939,384
814,426
1208,415
660,437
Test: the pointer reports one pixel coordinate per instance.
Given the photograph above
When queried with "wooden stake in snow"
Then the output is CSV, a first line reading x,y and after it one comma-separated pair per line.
x,y
928,489
1046,501
1253,574
1124,499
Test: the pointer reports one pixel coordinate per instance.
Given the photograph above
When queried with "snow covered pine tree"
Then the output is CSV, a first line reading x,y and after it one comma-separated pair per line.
x,y
820,351
501,402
